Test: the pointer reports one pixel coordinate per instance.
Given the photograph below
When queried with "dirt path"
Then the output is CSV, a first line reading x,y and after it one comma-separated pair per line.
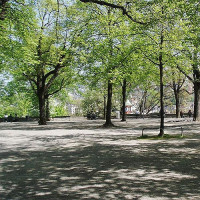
x,y
78,159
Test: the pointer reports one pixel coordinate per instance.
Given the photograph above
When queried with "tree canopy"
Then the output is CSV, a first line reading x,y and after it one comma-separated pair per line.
x,y
105,45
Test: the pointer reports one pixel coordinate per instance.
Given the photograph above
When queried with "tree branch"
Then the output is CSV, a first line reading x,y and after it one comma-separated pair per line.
x,y
150,60
50,73
30,79
181,82
56,91
123,9
190,93
55,74
179,68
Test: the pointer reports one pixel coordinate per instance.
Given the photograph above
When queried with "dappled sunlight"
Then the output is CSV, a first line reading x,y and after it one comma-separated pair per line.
x,y
183,151
151,175
96,163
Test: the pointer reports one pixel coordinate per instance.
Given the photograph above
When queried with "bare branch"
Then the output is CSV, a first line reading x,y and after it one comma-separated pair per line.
x,y
123,9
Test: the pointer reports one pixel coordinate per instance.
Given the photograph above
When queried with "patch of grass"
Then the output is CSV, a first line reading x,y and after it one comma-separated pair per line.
x,y
164,137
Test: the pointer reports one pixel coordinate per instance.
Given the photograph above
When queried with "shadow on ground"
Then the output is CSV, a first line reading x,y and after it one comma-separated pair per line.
x,y
102,165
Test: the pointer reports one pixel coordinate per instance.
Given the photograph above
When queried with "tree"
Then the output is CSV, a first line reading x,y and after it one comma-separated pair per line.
x,y
177,83
189,53
48,52
159,34
113,68
16,97
124,10
160,16
129,75
93,102
15,19
104,49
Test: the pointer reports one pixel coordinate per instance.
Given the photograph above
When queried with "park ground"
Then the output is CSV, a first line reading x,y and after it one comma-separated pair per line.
x,y
79,159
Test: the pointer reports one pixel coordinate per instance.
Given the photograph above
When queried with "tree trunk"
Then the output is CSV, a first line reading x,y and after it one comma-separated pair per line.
x,y
47,109
177,99
142,104
41,97
124,101
161,86
177,106
140,108
196,75
196,116
109,106
104,110
161,102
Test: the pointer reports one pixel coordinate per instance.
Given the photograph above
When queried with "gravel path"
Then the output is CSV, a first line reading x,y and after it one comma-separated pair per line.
x,y
78,159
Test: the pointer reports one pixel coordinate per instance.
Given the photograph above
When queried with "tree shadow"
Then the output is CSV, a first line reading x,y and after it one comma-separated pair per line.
x,y
72,125
52,125
95,169
96,163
